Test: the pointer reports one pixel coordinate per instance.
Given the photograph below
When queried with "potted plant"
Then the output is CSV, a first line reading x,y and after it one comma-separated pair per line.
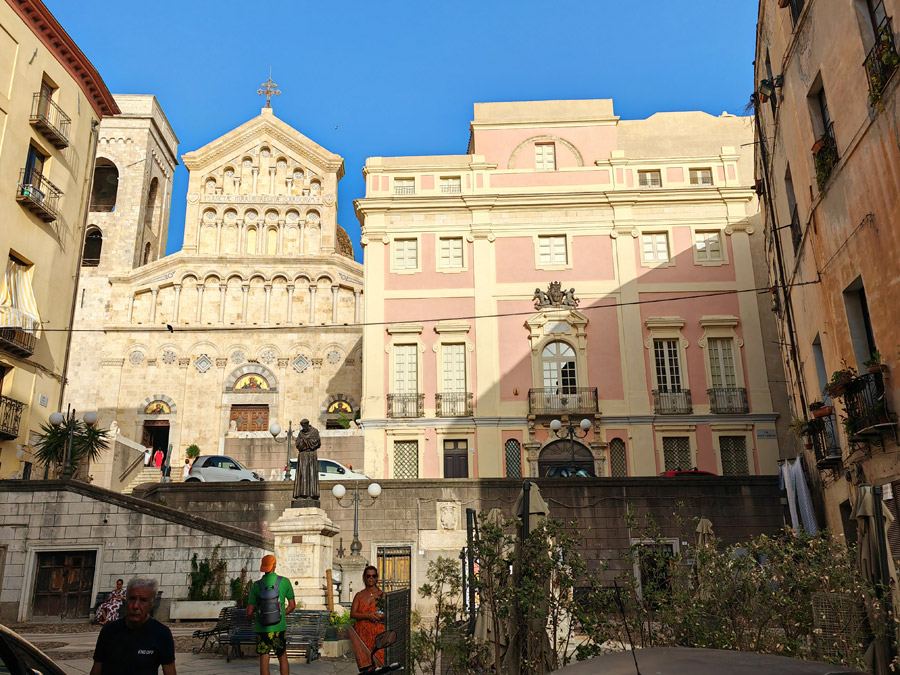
x,y
819,409
800,427
818,145
837,386
874,364
192,451
338,624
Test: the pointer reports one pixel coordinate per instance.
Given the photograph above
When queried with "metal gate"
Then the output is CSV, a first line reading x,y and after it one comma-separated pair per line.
x,y
64,584
396,617
393,567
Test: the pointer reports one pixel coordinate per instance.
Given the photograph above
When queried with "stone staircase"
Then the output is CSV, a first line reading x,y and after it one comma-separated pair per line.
x,y
148,474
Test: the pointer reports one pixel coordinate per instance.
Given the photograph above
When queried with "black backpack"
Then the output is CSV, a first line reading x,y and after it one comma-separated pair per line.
x,y
269,605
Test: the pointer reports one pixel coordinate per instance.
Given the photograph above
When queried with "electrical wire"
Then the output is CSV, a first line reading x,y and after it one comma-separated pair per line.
x,y
473,317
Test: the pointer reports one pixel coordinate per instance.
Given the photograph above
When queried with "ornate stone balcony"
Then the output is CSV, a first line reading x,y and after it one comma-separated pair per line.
x,y
560,400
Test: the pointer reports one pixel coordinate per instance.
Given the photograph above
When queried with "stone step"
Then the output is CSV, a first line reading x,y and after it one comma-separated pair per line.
x,y
149,474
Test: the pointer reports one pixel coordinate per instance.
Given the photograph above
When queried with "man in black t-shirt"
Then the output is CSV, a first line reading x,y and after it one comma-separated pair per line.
x,y
135,644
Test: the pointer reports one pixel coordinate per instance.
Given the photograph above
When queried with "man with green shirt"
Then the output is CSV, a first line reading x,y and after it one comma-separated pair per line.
x,y
268,596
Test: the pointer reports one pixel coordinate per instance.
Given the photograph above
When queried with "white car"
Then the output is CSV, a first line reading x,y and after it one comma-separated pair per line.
x,y
219,469
331,470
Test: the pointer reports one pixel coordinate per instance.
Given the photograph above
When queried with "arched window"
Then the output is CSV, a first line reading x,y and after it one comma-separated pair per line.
x,y
147,253
151,212
93,243
105,186
618,464
558,367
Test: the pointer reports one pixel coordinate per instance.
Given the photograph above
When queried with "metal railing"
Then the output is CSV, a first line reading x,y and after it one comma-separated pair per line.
x,y
453,404
50,119
38,194
728,400
796,230
551,400
865,405
17,341
882,60
826,156
404,189
405,405
672,402
451,189
822,433
10,416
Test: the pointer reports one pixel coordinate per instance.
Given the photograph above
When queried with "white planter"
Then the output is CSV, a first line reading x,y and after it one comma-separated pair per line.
x,y
197,609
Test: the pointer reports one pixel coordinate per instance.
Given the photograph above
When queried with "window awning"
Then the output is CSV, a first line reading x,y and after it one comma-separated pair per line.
x,y
18,308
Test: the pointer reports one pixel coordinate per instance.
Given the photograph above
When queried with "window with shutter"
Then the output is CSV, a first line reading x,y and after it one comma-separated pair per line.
x,y
655,246
544,157
453,358
452,253
701,176
406,370
649,179
451,185
552,250
406,254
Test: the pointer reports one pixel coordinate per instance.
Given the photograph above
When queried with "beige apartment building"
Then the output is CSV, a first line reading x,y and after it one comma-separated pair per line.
x,y
828,164
51,101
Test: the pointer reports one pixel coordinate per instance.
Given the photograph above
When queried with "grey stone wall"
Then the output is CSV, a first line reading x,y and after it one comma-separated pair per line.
x,y
267,457
131,538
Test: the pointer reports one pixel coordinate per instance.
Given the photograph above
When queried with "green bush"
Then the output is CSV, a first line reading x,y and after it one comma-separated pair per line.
x,y
207,577
192,451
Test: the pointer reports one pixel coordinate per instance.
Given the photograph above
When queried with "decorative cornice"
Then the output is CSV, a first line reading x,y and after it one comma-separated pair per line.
x,y
48,30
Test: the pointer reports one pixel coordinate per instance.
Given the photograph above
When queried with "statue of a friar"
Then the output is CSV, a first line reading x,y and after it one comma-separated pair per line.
x,y
306,479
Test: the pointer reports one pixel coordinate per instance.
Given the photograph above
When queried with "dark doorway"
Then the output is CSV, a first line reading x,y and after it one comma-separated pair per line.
x,y
565,458
156,435
456,459
394,567
64,584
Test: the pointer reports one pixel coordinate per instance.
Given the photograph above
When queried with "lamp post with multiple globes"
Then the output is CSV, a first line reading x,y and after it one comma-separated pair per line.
x,y
275,430
339,491
570,431
56,419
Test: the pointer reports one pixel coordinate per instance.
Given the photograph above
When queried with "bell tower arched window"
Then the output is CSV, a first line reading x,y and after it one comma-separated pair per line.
x,y
93,244
105,186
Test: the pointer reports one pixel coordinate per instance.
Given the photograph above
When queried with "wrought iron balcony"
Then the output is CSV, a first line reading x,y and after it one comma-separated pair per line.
x,y
796,230
866,406
453,404
50,120
825,155
728,400
405,405
10,415
672,402
17,341
822,434
554,400
39,195
882,60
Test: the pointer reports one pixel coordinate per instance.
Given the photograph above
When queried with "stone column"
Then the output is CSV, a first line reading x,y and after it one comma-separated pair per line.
x,y
334,303
200,290
301,226
280,249
177,303
289,181
290,307
312,305
245,288
218,236
154,293
222,289
131,308
237,184
272,181
356,305
255,171
268,288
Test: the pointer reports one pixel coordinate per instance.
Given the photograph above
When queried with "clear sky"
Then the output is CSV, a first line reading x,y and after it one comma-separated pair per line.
x,y
399,77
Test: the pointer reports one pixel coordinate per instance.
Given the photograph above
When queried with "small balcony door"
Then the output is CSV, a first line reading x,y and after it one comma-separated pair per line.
x,y
558,366
721,363
668,367
406,371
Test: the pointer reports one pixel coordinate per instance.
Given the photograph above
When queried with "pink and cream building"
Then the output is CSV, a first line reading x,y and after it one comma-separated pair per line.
x,y
654,333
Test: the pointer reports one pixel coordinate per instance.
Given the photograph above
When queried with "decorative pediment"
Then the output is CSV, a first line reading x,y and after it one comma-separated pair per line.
x,y
271,132
557,323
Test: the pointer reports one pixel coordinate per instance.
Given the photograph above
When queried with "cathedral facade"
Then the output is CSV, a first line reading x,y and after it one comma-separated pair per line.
x,y
252,323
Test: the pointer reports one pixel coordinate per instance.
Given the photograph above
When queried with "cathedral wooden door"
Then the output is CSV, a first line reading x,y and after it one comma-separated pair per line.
x,y
250,417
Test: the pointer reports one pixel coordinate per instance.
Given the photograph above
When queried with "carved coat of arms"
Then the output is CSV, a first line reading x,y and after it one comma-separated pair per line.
x,y
555,296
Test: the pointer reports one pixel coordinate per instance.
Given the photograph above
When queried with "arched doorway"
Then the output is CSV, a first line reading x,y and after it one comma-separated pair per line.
x,y
556,460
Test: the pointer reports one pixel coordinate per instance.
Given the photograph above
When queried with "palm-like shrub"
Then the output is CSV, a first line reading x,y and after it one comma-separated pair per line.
x,y
87,443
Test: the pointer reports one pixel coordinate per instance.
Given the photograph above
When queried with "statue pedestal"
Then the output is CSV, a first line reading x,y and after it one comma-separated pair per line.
x,y
304,548
351,568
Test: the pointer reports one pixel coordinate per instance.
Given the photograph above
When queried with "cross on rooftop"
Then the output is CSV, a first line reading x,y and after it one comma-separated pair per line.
x,y
268,90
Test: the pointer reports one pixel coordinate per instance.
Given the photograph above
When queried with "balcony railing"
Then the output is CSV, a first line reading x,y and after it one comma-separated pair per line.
x,y
405,405
17,341
50,120
552,400
453,404
10,415
822,433
39,195
796,230
672,402
882,60
728,400
401,189
825,155
865,406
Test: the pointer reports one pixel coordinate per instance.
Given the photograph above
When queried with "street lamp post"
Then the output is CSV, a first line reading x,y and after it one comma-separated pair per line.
x,y
56,419
570,431
275,430
339,491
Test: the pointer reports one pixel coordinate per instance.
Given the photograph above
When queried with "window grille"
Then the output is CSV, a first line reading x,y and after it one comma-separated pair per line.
x,y
406,459
404,186
451,186
618,465
733,450
513,458
677,453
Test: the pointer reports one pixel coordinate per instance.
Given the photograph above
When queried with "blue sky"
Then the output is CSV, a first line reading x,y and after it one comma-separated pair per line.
x,y
400,77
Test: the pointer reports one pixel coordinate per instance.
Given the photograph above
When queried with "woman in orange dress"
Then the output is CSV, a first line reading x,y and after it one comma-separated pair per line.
x,y
369,618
